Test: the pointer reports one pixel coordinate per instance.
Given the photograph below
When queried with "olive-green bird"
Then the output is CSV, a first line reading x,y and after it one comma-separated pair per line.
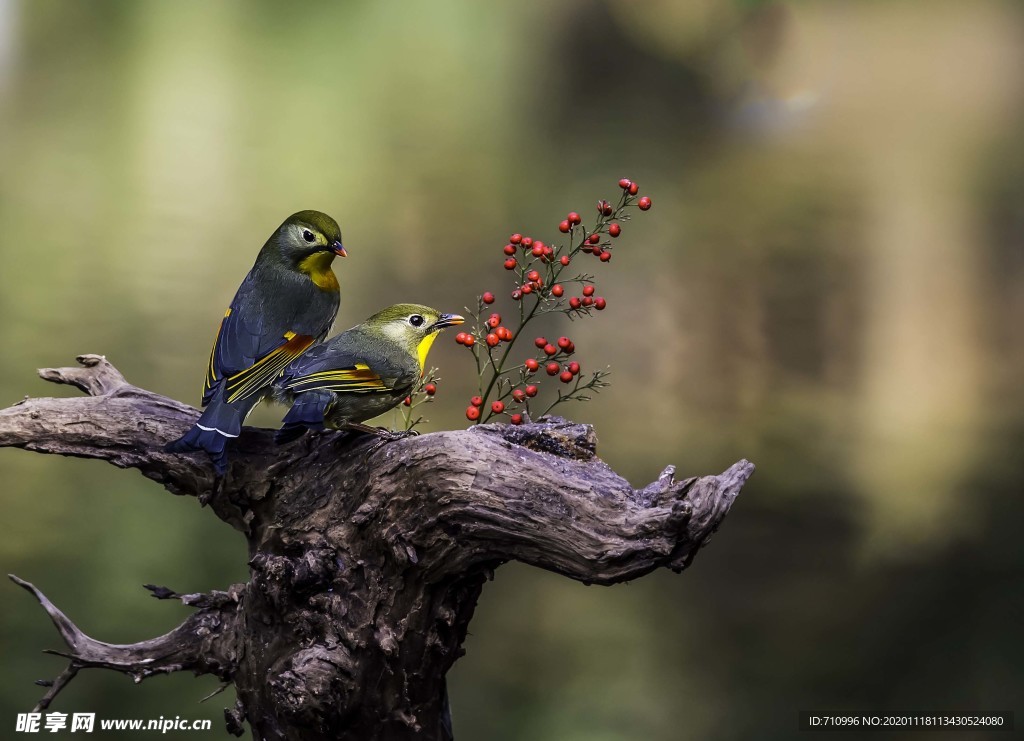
x,y
361,373
285,305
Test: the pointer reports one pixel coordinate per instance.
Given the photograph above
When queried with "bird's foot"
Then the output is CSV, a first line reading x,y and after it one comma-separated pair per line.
x,y
392,435
382,435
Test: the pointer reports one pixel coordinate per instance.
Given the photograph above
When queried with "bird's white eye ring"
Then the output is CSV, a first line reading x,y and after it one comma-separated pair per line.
x,y
415,320
308,235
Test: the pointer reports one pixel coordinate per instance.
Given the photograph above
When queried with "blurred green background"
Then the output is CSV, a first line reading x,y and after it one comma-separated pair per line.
x,y
831,284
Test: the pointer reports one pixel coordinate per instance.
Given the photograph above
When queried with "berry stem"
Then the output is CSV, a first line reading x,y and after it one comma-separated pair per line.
x,y
538,269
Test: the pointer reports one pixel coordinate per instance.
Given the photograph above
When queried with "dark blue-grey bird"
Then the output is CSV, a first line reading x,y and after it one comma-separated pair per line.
x,y
285,305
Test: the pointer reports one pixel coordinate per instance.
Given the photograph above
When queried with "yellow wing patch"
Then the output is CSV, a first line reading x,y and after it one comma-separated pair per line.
x,y
263,372
357,379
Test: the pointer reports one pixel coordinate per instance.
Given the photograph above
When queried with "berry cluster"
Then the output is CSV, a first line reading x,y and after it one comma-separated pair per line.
x,y
541,287
422,394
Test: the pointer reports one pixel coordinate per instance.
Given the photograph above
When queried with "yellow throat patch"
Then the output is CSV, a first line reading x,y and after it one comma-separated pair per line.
x,y
318,268
424,348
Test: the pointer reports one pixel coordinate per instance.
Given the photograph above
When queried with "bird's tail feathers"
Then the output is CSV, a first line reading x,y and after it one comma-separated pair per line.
x,y
219,423
307,413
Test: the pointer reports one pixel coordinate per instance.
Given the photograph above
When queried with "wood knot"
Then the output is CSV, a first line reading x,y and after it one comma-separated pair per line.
x,y
313,682
310,571
553,435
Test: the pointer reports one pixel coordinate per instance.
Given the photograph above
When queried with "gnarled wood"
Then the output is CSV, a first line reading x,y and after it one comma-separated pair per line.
x,y
366,557
204,643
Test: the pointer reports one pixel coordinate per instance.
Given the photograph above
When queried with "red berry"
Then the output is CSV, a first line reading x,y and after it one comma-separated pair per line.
x,y
594,238
564,342
533,275
634,189
531,391
430,389
527,288
460,338
600,303
588,290
527,241
476,401
531,365
598,252
564,259
510,249
516,238
550,350
603,207
614,230
575,302
469,341
517,294
644,203
557,290
574,368
487,298
504,334
565,377
519,395
494,320
492,340
510,264
408,401
564,227
624,183
553,369
540,342
472,414
498,407
606,256
588,301
574,218
516,419
538,249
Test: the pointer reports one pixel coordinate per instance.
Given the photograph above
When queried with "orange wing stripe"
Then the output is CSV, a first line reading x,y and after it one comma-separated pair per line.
x,y
263,372
358,379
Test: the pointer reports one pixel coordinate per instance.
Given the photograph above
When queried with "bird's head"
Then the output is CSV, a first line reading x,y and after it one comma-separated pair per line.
x,y
411,326
309,236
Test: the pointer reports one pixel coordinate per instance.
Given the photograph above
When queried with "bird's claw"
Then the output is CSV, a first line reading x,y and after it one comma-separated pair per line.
x,y
391,436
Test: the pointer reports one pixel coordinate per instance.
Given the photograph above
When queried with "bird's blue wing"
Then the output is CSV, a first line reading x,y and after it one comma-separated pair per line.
x,y
247,354
345,364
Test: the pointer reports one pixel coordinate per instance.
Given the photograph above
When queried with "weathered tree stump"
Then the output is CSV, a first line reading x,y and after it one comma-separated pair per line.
x,y
366,558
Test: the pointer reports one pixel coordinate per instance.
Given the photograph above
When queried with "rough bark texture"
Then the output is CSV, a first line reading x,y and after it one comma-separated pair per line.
x,y
366,558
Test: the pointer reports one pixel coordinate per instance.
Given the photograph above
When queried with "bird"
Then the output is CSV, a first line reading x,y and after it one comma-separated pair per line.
x,y
286,305
360,373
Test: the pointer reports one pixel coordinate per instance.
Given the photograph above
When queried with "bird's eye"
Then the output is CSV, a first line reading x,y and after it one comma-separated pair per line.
x,y
415,320
308,235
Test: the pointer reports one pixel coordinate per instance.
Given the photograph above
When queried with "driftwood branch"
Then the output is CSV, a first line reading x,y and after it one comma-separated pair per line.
x,y
366,557
197,644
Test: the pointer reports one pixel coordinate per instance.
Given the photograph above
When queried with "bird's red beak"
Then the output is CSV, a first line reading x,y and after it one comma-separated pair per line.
x,y
339,249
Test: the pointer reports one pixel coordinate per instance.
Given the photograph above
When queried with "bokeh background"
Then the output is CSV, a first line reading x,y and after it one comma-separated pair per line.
x,y
830,283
